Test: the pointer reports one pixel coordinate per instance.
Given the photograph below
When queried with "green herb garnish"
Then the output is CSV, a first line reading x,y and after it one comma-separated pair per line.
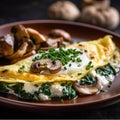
x,y
88,79
89,66
62,54
20,70
79,74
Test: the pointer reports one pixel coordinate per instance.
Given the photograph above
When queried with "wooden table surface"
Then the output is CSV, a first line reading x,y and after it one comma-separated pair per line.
x,y
19,10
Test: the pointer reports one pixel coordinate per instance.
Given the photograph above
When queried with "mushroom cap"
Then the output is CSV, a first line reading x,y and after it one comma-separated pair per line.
x,y
112,18
36,36
20,33
56,67
65,10
103,4
93,15
46,64
60,33
87,89
108,18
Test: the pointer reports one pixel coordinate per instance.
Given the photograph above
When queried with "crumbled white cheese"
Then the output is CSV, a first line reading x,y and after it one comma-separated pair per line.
x,y
43,97
29,88
56,89
103,80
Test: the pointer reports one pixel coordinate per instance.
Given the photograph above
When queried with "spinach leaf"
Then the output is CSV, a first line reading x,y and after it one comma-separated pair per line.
x,y
18,89
88,79
25,95
4,87
69,92
106,70
45,89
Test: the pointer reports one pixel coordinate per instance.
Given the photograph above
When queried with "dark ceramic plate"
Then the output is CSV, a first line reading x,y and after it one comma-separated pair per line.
x,y
79,32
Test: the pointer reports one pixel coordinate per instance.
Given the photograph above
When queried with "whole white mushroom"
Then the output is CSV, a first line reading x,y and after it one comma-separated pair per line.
x,y
108,18
64,10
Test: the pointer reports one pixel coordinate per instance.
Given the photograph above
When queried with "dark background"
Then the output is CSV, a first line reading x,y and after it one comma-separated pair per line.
x,y
20,10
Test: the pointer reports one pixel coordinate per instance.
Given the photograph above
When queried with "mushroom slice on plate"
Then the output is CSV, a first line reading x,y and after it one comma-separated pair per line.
x,y
87,87
36,36
31,46
60,33
56,67
20,52
6,45
46,64
55,42
20,33
33,52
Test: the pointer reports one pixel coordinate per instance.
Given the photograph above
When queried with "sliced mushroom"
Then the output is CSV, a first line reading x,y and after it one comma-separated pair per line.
x,y
33,52
36,36
6,45
46,64
56,67
55,33
20,33
31,46
20,52
87,89
40,65
55,42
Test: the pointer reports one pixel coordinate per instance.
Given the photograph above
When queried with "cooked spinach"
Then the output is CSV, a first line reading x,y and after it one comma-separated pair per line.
x,y
106,70
69,92
54,97
18,89
36,96
88,79
25,95
45,89
4,87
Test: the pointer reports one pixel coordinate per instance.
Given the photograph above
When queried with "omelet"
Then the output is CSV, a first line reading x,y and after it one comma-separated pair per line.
x,y
78,60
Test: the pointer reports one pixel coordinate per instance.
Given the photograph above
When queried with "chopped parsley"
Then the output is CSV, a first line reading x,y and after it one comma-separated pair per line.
x,y
85,50
110,83
71,42
20,70
78,60
89,66
79,74
64,55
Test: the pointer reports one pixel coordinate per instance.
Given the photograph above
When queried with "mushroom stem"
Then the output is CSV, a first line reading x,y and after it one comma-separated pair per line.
x,y
20,52
36,36
33,52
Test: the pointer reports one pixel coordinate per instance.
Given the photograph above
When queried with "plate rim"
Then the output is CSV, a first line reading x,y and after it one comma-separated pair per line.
x,y
59,21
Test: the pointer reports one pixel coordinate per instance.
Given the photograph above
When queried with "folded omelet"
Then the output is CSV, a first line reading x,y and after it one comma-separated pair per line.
x,y
78,60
